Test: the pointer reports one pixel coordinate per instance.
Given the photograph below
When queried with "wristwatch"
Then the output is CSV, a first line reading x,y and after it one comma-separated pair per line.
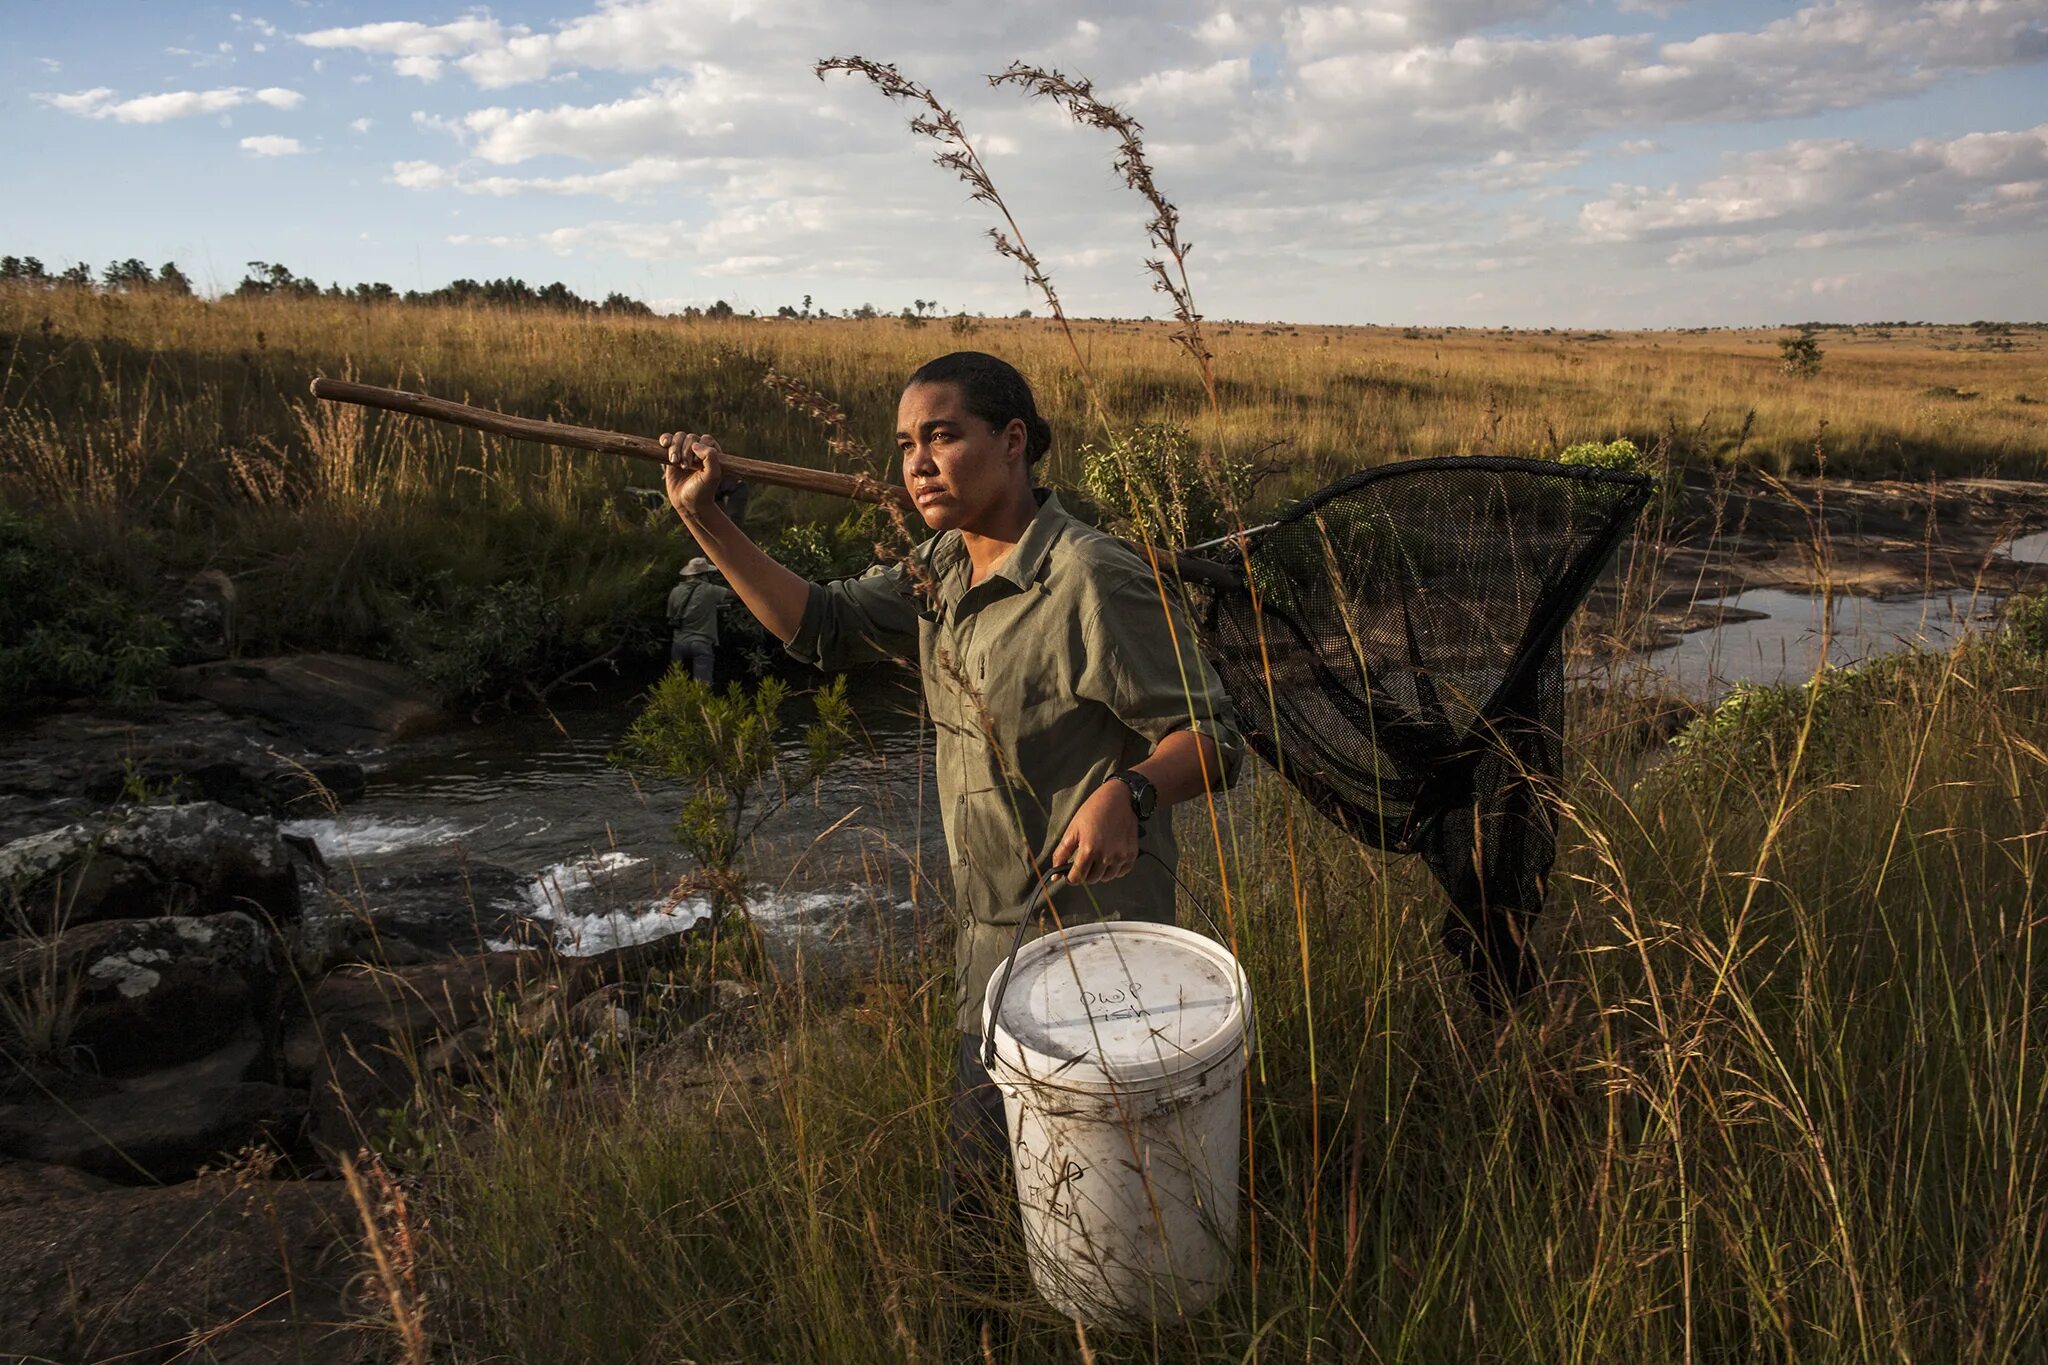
x,y
1144,796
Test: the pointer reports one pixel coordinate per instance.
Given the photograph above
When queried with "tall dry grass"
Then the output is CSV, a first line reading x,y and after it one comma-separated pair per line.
x,y
1781,1099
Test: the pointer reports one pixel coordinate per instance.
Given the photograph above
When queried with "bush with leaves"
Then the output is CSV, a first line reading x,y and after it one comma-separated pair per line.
x,y
1621,454
2026,624
721,748
1801,356
1152,483
65,632
482,645
821,551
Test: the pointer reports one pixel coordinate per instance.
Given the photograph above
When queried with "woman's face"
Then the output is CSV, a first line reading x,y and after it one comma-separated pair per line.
x,y
956,468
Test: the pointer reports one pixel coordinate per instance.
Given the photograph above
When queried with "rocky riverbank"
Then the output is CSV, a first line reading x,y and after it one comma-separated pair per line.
x,y
201,1028
1730,533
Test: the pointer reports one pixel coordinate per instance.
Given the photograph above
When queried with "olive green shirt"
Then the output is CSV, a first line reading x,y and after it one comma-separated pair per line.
x,y
1061,667
693,611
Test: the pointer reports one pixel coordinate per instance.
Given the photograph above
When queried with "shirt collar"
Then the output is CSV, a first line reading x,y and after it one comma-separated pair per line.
x,y
1026,559
1020,567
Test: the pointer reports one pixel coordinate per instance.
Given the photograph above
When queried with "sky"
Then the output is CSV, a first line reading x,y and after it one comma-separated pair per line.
x,y
1625,163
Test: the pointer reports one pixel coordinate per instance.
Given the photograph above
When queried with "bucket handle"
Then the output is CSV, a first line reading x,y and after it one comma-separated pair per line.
x,y
1039,904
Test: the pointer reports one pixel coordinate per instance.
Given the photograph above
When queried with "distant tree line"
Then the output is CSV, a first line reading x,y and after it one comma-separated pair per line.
x,y
270,279
267,278
119,277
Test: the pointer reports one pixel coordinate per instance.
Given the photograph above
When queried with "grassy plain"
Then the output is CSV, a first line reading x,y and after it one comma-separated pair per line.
x,y
1782,1100
158,436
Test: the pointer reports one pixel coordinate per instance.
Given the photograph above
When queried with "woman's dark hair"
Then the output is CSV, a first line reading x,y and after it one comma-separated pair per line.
x,y
993,391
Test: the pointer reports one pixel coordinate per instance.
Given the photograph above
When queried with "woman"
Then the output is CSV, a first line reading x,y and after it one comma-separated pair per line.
x,y
1070,705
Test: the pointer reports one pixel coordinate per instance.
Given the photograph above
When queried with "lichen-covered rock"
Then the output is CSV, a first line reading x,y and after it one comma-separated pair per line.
x,y
151,860
128,996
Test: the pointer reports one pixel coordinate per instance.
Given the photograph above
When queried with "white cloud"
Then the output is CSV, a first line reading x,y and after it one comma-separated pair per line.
x,y
744,265
641,241
100,103
405,38
1505,171
624,35
272,145
419,68
1174,89
698,114
1402,104
635,180
1709,252
361,125
91,102
1396,141
420,175
1221,29
471,239
1324,30
1823,182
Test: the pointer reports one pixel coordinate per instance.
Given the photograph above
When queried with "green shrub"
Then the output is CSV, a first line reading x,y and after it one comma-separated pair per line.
x,y
2026,624
67,632
484,644
1753,733
1151,482
1621,454
722,749
1801,356
821,551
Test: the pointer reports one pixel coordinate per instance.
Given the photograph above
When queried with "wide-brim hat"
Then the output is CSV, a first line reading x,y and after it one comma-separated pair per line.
x,y
698,567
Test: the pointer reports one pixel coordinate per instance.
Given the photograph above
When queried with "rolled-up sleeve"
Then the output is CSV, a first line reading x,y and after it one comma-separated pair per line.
x,y
858,620
1144,665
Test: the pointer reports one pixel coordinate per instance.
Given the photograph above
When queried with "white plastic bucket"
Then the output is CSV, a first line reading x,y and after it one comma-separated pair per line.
x,y
1119,1051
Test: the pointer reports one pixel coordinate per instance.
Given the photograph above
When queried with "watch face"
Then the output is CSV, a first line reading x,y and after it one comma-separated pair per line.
x,y
1144,796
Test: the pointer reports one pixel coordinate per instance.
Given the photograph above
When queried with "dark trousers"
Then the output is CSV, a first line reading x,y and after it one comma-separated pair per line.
x,y
694,656
979,1182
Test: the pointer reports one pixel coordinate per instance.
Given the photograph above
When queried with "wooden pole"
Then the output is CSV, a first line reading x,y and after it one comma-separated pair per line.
x,y
859,487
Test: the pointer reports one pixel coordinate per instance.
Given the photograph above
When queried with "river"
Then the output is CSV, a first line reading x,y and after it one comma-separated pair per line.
x,y
538,834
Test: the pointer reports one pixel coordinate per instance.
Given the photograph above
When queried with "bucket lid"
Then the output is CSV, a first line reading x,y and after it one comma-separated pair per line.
x,y
1116,1002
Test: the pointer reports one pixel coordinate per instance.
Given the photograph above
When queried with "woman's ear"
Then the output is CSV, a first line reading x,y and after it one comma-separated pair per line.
x,y
1017,441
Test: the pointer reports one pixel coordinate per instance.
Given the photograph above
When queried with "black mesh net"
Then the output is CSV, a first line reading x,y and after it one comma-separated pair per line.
x,y
1410,620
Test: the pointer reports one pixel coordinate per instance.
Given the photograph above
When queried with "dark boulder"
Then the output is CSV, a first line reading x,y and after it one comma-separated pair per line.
x,y
164,1126
128,996
65,765
411,917
361,1036
364,1038
330,702
151,861
219,1269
